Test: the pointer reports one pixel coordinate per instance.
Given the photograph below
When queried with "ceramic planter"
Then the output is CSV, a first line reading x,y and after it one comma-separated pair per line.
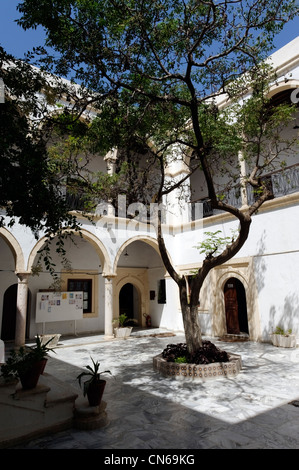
x,y
54,339
284,341
123,332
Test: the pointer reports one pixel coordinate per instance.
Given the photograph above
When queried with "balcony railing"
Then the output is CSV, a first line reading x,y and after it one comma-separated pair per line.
x,y
280,182
75,202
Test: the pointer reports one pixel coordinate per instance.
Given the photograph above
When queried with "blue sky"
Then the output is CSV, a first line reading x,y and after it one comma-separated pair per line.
x,y
17,41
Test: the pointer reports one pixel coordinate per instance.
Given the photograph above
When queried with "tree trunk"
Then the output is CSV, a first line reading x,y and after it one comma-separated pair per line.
x,y
192,328
190,320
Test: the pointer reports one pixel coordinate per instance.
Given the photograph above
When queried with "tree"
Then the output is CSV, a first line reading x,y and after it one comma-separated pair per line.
x,y
155,69
29,189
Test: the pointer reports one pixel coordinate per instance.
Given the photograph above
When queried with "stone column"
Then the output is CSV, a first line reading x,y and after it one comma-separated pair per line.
x,y
108,307
242,163
22,296
110,160
178,207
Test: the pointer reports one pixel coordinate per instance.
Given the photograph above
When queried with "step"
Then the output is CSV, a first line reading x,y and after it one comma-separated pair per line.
x,y
27,414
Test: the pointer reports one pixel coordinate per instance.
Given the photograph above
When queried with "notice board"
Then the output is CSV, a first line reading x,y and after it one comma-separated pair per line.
x,y
58,306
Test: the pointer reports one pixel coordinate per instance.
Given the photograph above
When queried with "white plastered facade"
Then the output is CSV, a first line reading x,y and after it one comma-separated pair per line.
x,y
113,255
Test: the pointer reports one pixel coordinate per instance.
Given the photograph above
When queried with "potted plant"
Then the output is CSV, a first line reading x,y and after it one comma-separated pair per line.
x,y
123,326
94,386
283,339
26,364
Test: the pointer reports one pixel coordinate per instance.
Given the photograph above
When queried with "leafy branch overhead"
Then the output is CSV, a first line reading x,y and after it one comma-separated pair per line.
x,y
160,83
214,243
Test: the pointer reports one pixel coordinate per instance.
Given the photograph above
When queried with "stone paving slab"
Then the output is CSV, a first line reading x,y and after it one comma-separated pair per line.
x,y
145,410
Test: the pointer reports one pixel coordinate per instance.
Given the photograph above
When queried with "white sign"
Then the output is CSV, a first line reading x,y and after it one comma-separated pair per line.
x,y
58,306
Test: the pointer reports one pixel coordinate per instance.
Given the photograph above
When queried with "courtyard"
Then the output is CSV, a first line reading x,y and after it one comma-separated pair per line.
x,y
257,409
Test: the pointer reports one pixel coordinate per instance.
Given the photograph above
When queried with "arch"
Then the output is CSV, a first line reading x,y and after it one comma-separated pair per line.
x,y
276,89
140,238
141,289
130,301
15,248
232,273
91,238
243,270
137,276
235,307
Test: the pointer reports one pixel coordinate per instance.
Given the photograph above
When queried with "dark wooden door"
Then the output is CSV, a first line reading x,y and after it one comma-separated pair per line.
x,y
231,307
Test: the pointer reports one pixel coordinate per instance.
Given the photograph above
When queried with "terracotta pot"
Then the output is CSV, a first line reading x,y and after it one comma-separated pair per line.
x,y
95,392
29,379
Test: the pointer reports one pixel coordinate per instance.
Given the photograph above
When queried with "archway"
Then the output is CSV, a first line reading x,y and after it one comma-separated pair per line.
x,y
139,267
15,248
8,327
235,307
97,244
129,301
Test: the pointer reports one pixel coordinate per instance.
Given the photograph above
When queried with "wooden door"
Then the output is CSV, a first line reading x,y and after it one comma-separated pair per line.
x,y
231,307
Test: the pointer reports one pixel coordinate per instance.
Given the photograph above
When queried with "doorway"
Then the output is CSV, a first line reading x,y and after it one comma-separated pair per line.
x,y
129,301
235,307
8,328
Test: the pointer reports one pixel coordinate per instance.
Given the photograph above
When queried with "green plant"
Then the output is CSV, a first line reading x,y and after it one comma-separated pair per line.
x,y
214,242
20,361
281,331
123,320
93,373
181,360
40,350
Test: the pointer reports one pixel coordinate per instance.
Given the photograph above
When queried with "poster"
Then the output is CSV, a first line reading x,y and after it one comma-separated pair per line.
x,y
58,306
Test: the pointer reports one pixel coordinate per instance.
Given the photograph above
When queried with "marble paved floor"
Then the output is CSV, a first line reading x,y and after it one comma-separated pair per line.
x,y
255,410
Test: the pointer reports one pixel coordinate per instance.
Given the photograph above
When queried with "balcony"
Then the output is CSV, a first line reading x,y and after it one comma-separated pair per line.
x,y
280,182
75,202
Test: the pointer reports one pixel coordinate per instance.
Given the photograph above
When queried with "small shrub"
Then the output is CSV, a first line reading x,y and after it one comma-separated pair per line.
x,y
280,331
181,359
207,354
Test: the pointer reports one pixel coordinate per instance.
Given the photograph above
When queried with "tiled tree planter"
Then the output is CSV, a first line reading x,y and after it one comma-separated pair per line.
x,y
199,372
284,341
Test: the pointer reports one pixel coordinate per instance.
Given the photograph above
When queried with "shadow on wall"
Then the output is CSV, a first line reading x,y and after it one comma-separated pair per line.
x,y
259,263
288,317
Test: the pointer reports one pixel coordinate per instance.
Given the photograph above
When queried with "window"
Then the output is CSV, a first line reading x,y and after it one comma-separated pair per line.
x,y
162,292
85,286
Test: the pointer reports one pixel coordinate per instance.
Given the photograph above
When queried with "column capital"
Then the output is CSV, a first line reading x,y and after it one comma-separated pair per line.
x,y
23,277
108,277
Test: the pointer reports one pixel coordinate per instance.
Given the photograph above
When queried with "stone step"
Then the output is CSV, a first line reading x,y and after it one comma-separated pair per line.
x,y
26,414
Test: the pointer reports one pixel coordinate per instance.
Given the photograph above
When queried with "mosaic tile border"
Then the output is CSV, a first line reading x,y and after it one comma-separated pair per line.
x,y
199,372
